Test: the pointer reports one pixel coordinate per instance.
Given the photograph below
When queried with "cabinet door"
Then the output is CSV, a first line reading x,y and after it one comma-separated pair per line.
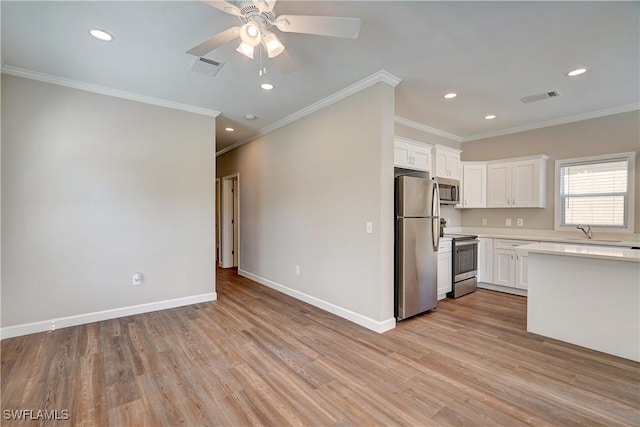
x,y
421,158
499,185
441,164
453,165
402,154
524,184
522,271
504,267
444,273
485,260
474,190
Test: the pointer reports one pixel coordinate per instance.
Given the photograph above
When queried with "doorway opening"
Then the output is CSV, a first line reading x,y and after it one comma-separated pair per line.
x,y
230,221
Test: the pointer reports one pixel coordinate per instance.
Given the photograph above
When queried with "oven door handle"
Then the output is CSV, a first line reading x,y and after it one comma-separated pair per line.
x,y
459,243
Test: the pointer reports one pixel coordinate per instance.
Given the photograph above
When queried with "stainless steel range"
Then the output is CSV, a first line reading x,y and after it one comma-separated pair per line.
x,y
464,250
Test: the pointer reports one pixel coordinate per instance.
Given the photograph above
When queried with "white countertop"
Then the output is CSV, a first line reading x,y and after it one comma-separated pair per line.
x,y
583,251
576,238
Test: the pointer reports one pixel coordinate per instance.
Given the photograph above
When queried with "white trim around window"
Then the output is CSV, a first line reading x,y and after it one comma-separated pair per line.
x,y
582,163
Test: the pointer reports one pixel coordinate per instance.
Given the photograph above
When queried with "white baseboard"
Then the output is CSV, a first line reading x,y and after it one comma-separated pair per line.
x,y
352,316
505,289
81,319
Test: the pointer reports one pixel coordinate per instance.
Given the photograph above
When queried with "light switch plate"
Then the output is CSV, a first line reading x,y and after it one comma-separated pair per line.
x,y
136,279
520,222
508,222
484,221
369,227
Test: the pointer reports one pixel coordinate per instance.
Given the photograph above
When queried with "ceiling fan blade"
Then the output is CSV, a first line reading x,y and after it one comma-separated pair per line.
x,y
264,5
285,63
215,42
224,6
320,25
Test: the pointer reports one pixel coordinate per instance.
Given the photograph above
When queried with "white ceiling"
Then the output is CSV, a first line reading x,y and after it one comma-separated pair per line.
x,y
490,53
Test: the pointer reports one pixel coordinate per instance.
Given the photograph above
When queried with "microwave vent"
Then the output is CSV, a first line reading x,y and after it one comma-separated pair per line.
x,y
540,97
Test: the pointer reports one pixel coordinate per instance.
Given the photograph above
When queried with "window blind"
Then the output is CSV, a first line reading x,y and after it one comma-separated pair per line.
x,y
594,193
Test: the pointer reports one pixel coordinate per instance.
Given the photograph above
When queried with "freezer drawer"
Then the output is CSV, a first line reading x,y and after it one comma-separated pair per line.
x,y
416,281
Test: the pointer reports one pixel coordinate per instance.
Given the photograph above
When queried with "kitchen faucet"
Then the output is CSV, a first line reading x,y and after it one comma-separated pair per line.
x,y
587,232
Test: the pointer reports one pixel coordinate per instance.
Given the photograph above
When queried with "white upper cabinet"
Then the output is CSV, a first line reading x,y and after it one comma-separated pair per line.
x,y
499,185
447,162
474,185
517,183
410,154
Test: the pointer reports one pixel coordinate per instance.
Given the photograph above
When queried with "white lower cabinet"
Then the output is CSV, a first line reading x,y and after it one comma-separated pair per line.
x,y
522,271
485,260
510,268
504,273
444,269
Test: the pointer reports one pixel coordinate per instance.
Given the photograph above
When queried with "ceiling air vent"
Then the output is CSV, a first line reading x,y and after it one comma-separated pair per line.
x,y
206,66
539,97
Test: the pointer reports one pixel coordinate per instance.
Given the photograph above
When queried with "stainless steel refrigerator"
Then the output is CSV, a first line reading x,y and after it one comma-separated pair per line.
x,y
417,211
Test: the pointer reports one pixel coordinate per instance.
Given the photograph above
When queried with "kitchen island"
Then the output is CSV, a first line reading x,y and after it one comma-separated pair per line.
x,y
585,295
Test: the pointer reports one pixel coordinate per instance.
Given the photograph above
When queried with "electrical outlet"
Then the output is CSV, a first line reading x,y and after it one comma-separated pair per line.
x,y
520,222
508,222
297,270
484,221
136,279
369,227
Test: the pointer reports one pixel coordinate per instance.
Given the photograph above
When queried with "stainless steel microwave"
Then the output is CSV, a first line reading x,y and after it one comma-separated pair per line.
x,y
449,191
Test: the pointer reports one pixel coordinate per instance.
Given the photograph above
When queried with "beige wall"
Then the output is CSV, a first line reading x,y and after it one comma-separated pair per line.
x,y
605,135
306,193
95,188
419,135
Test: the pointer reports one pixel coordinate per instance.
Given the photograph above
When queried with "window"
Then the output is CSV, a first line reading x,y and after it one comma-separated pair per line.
x,y
597,191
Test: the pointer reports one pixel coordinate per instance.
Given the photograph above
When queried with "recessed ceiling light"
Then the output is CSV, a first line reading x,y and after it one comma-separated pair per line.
x,y
101,35
229,129
450,95
266,86
576,72
490,117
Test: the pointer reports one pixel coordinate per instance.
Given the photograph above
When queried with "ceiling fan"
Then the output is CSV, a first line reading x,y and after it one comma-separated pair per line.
x,y
258,20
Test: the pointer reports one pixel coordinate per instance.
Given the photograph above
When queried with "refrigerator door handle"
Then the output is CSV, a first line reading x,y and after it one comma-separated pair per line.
x,y
435,200
435,216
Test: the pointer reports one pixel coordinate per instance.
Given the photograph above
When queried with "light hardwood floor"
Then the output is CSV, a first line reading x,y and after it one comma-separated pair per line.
x,y
258,357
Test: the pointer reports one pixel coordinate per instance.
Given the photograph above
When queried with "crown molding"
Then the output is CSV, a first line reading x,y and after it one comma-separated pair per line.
x,y
561,121
102,90
428,129
381,76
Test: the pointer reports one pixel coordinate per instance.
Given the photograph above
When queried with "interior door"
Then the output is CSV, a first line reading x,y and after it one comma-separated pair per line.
x,y
235,216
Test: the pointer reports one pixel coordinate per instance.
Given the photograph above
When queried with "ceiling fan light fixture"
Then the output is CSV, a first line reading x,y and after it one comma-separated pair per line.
x,y
245,49
273,45
250,33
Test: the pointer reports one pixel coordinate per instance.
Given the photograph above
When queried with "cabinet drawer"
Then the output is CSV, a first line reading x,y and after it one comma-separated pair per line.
x,y
444,246
510,244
